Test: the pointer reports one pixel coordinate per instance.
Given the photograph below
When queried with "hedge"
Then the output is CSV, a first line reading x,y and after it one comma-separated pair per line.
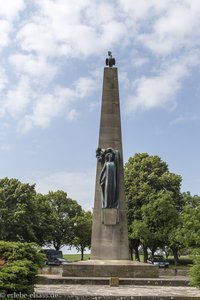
x,y
22,261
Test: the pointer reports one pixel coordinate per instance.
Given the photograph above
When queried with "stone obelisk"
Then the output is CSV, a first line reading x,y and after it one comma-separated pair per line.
x,y
109,248
109,229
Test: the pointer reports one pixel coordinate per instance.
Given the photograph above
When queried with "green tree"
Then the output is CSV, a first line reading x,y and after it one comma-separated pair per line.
x,y
44,224
19,216
153,200
82,232
189,233
63,215
195,269
19,272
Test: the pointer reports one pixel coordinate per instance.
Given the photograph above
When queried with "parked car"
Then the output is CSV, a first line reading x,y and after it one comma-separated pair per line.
x,y
52,253
56,261
158,260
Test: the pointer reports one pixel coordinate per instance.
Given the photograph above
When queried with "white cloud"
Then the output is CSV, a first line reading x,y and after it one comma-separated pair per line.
x,y
37,38
161,88
139,61
142,10
84,86
16,100
9,10
80,28
163,26
5,28
175,30
124,80
3,79
100,13
53,32
33,66
32,104
60,102
47,107
78,185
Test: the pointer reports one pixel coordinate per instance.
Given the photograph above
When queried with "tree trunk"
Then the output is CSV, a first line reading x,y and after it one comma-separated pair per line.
x,y
137,255
131,252
134,244
176,258
56,245
166,253
153,252
145,253
82,253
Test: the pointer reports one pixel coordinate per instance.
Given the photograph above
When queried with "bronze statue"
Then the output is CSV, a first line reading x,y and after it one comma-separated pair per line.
x,y
110,61
109,159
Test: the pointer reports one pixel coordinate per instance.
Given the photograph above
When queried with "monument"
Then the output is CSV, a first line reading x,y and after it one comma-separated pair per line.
x,y
109,229
110,247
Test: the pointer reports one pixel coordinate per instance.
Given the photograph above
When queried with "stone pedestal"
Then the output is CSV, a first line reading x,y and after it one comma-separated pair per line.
x,y
110,268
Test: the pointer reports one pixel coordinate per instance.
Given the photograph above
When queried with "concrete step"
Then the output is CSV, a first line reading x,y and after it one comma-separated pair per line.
x,y
161,281
105,292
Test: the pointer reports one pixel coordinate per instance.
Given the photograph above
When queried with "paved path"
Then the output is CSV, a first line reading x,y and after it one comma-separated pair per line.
x,y
107,292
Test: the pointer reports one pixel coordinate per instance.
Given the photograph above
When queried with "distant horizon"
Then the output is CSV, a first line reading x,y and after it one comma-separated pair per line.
x,y
66,250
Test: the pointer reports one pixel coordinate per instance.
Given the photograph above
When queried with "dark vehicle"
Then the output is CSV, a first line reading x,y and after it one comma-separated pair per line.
x,y
54,257
158,260
52,253
56,261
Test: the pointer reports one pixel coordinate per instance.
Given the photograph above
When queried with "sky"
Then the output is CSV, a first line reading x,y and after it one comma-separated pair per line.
x,y
52,59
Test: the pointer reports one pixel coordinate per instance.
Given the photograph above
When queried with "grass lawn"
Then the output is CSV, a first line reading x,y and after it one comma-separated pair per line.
x,y
75,257
185,261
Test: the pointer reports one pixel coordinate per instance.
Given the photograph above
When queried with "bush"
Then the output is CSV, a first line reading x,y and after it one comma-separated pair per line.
x,y
22,262
195,269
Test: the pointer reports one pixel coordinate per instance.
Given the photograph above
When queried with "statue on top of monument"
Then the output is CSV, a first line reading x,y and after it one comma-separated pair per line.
x,y
110,61
109,159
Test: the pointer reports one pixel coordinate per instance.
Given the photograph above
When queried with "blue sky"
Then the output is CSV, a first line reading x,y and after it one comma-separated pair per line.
x,y
52,60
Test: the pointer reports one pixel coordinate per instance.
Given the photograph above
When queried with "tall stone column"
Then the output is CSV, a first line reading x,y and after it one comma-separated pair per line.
x,y
109,229
109,249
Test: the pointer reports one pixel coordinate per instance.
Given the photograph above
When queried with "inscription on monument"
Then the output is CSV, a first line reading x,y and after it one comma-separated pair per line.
x,y
110,216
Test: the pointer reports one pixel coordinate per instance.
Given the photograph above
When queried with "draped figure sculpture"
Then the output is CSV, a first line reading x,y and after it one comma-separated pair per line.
x,y
109,159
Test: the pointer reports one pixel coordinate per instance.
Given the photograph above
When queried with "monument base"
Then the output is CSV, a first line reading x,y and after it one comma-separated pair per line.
x,y
110,268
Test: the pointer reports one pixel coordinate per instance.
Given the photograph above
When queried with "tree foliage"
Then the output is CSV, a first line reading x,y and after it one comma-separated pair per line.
x,y
45,219
153,199
18,211
82,232
26,216
189,232
195,269
63,215
22,262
